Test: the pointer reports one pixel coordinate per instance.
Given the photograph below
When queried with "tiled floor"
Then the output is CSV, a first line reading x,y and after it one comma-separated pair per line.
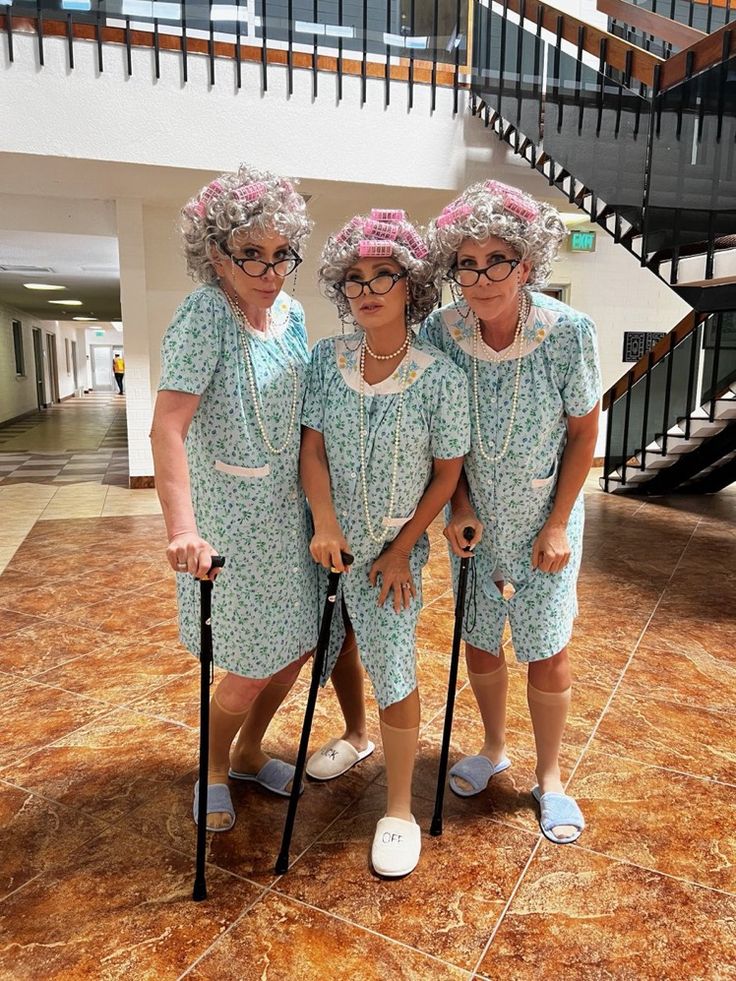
x,y
99,749
81,440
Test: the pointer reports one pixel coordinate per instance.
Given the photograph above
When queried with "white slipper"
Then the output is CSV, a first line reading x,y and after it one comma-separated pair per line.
x,y
335,758
396,847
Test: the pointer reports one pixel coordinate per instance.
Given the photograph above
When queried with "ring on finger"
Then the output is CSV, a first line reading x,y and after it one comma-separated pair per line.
x,y
181,565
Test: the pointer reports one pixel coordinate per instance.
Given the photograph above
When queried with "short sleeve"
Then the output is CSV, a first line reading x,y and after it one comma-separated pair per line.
x,y
450,426
313,409
581,388
299,327
191,346
432,329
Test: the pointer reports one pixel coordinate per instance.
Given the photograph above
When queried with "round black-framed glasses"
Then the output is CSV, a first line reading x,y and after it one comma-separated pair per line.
x,y
469,277
379,285
257,267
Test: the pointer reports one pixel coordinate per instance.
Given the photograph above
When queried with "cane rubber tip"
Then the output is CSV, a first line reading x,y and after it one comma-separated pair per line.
x,y
436,829
282,865
199,893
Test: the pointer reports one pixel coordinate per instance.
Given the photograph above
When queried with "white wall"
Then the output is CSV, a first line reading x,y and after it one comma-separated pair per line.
x,y
17,393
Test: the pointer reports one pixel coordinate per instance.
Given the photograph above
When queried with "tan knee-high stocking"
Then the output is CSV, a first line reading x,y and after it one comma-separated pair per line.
x,y
399,750
548,710
224,723
247,755
491,691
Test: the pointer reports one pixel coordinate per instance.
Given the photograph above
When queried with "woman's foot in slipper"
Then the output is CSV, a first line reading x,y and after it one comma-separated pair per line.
x,y
220,810
397,845
271,774
337,757
471,775
560,818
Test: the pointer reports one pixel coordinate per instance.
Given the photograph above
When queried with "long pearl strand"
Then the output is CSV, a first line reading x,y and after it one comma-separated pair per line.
x,y
524,306
381,538
243,323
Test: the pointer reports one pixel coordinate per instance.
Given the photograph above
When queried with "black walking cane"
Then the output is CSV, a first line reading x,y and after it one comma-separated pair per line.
x,y
435,828
205,679
282,862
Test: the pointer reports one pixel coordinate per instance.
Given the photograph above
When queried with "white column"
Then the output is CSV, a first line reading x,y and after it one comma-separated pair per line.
x,y
134,306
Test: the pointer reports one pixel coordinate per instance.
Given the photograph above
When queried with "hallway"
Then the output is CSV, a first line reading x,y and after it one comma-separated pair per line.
x,y
80,440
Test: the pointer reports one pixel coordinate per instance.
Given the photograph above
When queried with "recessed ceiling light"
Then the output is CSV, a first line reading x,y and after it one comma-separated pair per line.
x,y
67,303
42,286
84,318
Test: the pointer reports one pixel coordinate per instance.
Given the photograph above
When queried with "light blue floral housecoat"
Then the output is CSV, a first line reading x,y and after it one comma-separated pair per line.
x,y
434,425
248,502
560,377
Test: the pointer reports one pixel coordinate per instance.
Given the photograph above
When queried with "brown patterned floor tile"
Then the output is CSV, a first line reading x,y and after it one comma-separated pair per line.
x,y
698,636
581,916
281,940
109,767
694,678
10,621
177,701
38,835
677,824
137,611
117,910
671,735
51,600
436,623
46,644
120,673
34,715
476,862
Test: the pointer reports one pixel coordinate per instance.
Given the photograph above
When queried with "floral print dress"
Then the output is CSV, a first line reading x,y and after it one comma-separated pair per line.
x,y
247,501
513,496
434,425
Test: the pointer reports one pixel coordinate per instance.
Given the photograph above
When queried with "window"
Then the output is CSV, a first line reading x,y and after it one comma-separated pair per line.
x,y
66,355
20,363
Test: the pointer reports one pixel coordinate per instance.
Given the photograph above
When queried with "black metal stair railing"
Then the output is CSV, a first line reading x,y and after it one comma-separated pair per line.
x,y
416,42
703,16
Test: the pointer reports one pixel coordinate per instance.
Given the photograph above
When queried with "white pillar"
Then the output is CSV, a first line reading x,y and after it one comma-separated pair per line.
x,y
134,306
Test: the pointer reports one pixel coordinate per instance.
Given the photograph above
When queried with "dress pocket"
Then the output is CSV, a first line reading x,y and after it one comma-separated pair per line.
x,y
398,522
540,482
234,471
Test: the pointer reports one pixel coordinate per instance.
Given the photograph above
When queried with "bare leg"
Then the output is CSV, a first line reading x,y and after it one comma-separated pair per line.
x,y
400,734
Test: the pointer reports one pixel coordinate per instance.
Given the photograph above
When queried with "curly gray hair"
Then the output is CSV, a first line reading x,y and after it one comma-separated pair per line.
x,y
250,202
489,209
382,233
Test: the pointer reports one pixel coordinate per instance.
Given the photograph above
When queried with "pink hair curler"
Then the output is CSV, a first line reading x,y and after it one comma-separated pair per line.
x,y
381,229
414,242
347,230
387,214
453,214
372,248
250,192
514,200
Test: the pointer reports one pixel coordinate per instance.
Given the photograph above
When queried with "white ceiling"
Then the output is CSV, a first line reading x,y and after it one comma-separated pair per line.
x,y
86,264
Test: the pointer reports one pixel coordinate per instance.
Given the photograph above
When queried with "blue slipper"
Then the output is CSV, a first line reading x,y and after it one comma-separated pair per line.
x,y
477,771
218,801
556,810
274,775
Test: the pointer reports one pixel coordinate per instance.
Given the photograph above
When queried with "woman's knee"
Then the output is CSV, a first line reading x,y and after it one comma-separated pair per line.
x,y
552,673
404,714
236,692
483,662
289,674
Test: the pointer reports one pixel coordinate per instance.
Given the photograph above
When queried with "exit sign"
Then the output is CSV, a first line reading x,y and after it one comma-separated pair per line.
x,y
99,333
581,241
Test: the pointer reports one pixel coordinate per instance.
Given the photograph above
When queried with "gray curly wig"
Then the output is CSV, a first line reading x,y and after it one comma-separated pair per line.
x,y
251,202
489,209
382,233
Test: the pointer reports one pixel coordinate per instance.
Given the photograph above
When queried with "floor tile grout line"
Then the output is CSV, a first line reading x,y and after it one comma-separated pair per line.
x,y
368,930
622,675
668,769
224,933
586,746
21,886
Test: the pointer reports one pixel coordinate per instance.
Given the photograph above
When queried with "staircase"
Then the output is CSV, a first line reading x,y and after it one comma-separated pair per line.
x,y
645,147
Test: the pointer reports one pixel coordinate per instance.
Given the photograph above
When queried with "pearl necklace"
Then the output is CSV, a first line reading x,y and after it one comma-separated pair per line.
x,y
243,323
388,357
381,538
524,306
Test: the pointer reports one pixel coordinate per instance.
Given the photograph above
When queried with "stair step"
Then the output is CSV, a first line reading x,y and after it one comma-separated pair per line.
x,y
700,425
677,444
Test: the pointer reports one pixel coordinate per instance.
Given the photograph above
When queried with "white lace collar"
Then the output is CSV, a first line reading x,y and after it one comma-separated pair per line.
x,y
460,325
347,353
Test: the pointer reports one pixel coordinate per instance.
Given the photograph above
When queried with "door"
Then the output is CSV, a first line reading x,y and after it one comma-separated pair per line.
x,y
53,367
38,364
75,369
102,377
